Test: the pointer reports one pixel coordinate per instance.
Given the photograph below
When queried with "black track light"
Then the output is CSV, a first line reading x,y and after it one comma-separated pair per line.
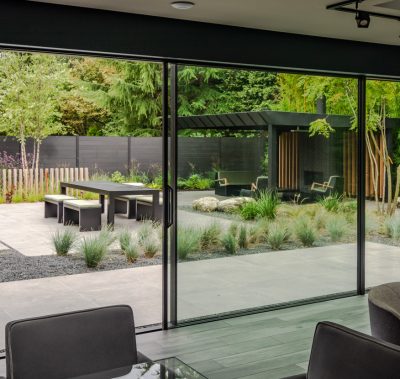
x,y
362,19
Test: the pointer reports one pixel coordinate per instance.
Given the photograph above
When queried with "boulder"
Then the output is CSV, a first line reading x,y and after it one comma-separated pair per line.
x,y
233,204
206,204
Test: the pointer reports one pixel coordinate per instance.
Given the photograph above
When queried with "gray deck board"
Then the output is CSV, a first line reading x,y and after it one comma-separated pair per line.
x,y
265,345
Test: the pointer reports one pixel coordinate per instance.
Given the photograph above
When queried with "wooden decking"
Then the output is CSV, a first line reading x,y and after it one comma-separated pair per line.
x,y
265,345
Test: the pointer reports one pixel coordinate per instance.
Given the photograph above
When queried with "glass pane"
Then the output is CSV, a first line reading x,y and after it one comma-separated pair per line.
x,y
382,187
65,119
267,189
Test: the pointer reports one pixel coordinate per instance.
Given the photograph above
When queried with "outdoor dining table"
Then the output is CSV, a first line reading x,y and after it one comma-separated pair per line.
x,y
111,190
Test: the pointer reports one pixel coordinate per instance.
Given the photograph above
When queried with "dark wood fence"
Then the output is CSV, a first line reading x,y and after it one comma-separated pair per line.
x,y
108,154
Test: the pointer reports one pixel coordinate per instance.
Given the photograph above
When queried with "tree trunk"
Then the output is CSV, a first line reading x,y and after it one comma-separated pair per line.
x,y
37,155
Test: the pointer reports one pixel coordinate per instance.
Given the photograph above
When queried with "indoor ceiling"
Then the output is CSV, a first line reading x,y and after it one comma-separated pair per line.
x,y
294,16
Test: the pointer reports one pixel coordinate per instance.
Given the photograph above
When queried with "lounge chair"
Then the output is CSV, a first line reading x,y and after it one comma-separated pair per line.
x,y
261,184
230,183
333,185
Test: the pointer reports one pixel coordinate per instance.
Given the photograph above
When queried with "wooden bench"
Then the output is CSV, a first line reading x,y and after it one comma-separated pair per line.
x,y
53,206
146,210
84,213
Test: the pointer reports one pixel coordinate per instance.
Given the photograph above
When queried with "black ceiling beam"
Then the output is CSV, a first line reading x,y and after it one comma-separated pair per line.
x,y
31,25
341,6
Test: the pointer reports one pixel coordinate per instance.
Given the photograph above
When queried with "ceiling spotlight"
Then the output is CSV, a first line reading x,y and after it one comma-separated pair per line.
x,y
362,19
182,5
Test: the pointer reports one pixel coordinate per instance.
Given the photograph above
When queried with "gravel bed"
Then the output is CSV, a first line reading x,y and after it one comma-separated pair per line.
x,y
15,266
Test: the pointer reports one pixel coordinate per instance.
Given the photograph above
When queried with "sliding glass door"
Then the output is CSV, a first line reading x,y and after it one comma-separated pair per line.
x,y
266,178
382,161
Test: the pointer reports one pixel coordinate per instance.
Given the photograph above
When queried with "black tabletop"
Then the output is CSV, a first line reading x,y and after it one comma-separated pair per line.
x,y
169,368
108,187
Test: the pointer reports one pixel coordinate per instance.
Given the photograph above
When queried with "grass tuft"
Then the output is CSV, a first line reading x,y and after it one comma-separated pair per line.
x,y
230,244
64,241
336,227
305,231
188,242
277,235
210,236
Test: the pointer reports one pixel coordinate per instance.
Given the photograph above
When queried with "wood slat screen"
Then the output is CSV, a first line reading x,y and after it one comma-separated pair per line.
x,y
350,167
288,150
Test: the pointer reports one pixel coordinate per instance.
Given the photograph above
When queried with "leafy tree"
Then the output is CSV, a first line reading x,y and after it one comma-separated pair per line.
x,y
30,85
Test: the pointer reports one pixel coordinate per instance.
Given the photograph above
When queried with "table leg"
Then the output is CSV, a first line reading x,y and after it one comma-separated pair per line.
x,y
156,204
111,210
102,202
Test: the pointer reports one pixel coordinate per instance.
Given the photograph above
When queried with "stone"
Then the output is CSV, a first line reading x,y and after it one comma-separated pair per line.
x,y
232,205
206,204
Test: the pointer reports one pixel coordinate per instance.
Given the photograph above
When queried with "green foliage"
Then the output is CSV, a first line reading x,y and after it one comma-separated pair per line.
x,y
124,238
94,249
117,177
337,227
331,203
233,228
305,231
195,182
267,204
320,218
151,246
146,231
277,235
188,241
64,241
132,251
249,210
392,227
30,86
210,236
320,127
229,243
243,240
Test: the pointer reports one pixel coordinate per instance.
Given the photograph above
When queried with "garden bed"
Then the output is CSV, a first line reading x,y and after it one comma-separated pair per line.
x,y
15,266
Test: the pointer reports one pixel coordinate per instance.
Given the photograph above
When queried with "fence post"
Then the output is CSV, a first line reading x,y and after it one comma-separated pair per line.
x,y
20,182
10,183
4,182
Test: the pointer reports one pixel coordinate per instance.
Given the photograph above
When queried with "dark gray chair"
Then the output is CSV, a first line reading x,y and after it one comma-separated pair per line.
x,y
384,312
71,344
341,353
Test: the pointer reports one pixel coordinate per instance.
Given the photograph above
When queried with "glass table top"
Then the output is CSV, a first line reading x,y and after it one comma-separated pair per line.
x,y
168,368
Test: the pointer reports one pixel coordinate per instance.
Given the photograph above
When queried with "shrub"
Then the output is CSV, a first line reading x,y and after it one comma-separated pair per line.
x,y
320,218
243,240
267,204
188,242
348,206
210,236
305,231
106,235
195,182
336,227
131,251
146,230
117,177
249,210
229,243
277,235
331,203
93,249
233,228
151,246
64,240
392,227
125,239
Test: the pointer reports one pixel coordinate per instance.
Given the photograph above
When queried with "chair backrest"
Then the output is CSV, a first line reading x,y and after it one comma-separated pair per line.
x,y
238,177
262,183
71,344
339,352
